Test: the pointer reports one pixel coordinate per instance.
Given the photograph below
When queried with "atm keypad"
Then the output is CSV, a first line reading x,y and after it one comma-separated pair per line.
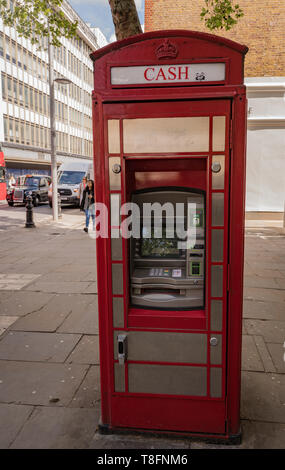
x,y
165,272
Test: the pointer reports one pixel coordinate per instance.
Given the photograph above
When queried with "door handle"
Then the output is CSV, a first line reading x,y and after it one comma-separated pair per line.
x,y
122,348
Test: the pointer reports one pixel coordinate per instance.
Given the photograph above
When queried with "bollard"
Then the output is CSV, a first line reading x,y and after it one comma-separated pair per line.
x,y
59,214
29,213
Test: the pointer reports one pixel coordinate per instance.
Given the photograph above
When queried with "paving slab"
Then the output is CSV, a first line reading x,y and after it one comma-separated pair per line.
x,y
82,321
61,428
42,347
53,314
260,435
88,394
130,441
76,267
21,303
250,356
91,276
277,352
12,419
263,397
43,266
64,277
264,282
264,354
266,273
6,322
263,310
92,288
36,383
281,282
265,295
16,281
86,352
59,287
272,331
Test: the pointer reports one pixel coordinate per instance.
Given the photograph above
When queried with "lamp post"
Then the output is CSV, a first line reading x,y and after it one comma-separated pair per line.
x,y
63,81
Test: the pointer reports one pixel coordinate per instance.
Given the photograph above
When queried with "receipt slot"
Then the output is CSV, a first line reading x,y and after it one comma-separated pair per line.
x,y
169,117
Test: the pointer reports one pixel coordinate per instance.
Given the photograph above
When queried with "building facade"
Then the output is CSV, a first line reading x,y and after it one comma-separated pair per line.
x,y
24,99
262,29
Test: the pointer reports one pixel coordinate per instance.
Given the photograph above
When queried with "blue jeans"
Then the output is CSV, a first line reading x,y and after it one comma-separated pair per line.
x,y
89,213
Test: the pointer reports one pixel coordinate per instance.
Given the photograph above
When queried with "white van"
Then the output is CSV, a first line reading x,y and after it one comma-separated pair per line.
x,y
69,177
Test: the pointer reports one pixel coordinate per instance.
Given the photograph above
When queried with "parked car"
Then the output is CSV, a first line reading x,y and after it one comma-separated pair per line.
x,y
69,177
35,185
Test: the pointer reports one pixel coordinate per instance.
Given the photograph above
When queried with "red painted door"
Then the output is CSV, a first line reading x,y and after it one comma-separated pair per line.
x,y
173,375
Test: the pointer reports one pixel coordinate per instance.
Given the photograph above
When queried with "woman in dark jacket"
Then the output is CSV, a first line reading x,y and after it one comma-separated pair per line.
x,y
87,204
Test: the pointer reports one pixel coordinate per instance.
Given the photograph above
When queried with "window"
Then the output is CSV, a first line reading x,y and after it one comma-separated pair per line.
x,y
21,97
22,130
15,90
11,131
27,133
1,46
4,91
17,133
6,127
36,100
9,88
7,47
26,95
25,59
31,98
13,52
40,102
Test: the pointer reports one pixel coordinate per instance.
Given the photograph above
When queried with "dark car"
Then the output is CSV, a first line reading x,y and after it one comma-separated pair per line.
x,y
35,185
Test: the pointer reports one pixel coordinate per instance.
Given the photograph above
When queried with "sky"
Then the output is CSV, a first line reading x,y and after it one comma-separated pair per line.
x,y
98,13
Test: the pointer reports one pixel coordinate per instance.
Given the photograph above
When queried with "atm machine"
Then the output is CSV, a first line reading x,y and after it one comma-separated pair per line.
x,y
167,271
169,126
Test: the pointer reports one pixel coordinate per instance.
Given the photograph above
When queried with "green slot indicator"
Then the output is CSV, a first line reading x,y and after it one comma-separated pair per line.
x,y
195,269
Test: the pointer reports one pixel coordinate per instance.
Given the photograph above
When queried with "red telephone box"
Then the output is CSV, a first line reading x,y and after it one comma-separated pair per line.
x,y
169,116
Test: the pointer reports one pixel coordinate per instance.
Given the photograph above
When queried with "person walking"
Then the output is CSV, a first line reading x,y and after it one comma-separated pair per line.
x,y
11,181
81,188
87,204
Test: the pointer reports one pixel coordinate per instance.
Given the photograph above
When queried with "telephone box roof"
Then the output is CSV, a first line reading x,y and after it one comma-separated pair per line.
x,y
211,38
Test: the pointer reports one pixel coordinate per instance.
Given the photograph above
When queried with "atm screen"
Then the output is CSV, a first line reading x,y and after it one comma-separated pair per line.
x,y
166,270
160,247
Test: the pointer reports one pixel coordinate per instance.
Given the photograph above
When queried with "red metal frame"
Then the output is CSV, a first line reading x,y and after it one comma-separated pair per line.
x,y
3,191
217,417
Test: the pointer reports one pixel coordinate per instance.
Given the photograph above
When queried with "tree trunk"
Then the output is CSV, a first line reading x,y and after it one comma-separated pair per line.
x,y
125,18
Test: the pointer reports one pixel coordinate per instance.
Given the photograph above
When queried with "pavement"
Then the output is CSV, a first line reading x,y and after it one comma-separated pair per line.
x,y
49,358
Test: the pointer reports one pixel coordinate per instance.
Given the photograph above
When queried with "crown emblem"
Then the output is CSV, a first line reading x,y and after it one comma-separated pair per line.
x,y
166,50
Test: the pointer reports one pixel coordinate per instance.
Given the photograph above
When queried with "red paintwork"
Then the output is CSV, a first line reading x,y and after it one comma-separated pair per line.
x,y
217,417
2,185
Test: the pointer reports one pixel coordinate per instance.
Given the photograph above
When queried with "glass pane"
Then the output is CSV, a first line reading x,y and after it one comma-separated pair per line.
x,y
115,209
117,279
181,134
217,209
216,281
216,382
114,178
217,245
114,136
118,312
218,177
216,315
116,249
219,133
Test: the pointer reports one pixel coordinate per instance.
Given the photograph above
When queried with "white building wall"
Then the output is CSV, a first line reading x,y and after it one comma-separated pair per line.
x,y
265,179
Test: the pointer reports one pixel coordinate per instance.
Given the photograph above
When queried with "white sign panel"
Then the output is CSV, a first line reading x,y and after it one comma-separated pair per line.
x,y
157,74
